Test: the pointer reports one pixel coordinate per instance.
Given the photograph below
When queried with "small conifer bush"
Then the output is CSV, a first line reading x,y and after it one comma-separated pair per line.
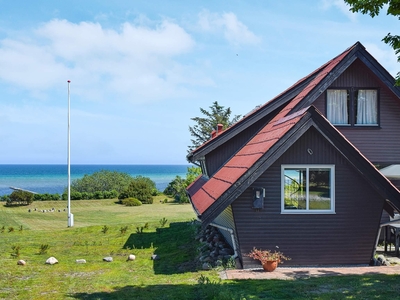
x,y
131,202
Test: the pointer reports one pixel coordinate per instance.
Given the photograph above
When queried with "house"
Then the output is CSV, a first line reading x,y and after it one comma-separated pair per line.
x,y
301,172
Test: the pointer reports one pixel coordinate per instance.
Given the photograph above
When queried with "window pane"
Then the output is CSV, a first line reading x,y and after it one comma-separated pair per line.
x,y
295,188
319,189
367,107
338,106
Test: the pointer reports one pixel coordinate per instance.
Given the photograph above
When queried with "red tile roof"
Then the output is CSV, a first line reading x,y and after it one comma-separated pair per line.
x,y
321,70
212,189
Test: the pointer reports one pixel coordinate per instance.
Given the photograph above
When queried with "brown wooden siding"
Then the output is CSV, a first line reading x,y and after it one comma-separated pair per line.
x,y
346,237
380,145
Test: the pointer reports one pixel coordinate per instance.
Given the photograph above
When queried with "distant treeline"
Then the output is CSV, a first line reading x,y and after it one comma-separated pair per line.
x,y
106,184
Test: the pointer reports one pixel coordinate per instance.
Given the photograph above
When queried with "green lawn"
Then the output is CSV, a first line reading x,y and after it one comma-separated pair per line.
x,y
174,276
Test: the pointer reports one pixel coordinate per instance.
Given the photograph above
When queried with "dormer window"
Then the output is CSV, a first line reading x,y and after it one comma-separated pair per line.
x,y
352,107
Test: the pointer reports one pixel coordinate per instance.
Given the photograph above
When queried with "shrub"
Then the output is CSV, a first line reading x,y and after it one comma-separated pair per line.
x,y
76,196
19,197
16,250
98,195
131,202
140,188
105,229
163,222
110,194
181,198
5,198
43,248
102,181
123,229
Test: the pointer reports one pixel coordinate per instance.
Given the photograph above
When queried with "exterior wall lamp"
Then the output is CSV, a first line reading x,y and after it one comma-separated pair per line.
x,y
258,197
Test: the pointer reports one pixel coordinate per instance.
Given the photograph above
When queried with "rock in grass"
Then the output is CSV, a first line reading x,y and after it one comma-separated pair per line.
x,y
131,257
108,259
155,257
21,262
81,261
51,261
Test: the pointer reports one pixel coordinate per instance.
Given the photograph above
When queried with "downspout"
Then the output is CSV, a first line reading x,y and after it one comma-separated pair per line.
x,y
230,230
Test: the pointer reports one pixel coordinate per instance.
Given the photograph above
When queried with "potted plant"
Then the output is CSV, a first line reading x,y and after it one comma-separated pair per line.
x,y
269,259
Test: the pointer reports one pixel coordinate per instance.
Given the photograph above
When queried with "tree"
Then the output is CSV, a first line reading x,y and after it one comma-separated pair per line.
x,y
177,187
192,174
20,198
205,125
141,188
373,8
102,181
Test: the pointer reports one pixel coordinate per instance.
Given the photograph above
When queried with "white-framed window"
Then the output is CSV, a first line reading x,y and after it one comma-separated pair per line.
x,y
352,107
308,189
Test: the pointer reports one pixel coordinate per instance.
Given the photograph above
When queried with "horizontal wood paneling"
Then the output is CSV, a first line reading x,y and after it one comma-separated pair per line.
x,y
346,237
380,145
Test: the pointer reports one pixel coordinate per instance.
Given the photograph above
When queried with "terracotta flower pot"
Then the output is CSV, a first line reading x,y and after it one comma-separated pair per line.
x,y
270,265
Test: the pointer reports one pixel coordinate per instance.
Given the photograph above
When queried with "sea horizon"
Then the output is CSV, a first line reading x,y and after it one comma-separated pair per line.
x,y
53,178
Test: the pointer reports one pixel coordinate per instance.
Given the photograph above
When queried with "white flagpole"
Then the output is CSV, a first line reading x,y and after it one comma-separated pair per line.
x,y
70,216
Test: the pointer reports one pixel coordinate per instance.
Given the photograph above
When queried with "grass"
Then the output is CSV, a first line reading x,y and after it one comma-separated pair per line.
x,y
174,276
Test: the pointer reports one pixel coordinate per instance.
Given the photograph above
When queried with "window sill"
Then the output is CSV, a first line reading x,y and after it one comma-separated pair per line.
x,y
375,127
307,212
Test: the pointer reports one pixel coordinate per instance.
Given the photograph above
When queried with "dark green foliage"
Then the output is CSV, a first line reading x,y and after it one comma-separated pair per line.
x,y
5,198
123,229
102,181
20,198
373,8
16,250
105,229
163,221
131,202
140,188
47,197
44,248
201,132
91,196
110,194
76,195
177,187
98,195
87,196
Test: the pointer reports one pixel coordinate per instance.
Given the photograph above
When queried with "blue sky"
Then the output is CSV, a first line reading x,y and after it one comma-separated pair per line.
x,y
140,70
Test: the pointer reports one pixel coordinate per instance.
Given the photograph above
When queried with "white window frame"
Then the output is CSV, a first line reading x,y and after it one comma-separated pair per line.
x,y
342,103
307,210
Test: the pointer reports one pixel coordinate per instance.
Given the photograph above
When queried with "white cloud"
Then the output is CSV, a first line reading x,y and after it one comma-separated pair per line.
x,y
341,6
385,57
136,62
234,31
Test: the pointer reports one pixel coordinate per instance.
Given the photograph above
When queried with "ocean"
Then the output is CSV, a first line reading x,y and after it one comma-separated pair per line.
x,y
53,179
